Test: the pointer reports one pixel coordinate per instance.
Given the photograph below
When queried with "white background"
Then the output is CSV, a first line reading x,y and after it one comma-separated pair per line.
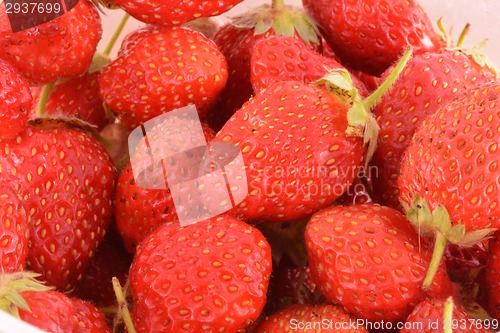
x,y
482,14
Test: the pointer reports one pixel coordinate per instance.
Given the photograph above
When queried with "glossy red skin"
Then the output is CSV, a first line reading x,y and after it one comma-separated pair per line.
x,y
90,318
15,101
307,315
429,315
370,35
292,138
453,160
174,12
51,311
280,58
79,97
139,210
66,180
369,259
429,81
237,43
164,68
61,48
492,276
212,275
110,260
14,231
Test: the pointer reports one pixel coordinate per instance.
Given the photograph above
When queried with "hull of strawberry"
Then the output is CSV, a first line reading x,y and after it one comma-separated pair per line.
x,y
481,14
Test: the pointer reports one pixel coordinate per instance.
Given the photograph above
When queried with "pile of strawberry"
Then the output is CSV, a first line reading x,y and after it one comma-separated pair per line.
x,y
372,154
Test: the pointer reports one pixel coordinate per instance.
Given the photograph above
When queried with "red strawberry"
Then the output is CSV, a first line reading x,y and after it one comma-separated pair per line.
x,y
79,97
15,101
369,259
66,180
236,41
281,58
61,48
310,319
210,276
294,143
449,176
429,81
174,12
90,318
369,35
49,310
27,299
433,316
493,277
13,231
162,69
110,259
140,210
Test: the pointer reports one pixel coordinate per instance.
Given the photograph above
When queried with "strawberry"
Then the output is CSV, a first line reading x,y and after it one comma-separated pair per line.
x,y
60,48
280,58
492,277
66,185
369,35
430,80
369,259
236,40
90,318
162,69
174,12
15,101
449,178
434,316
13,231
110,259
50,310
293,170
140,210
78,97
210,276
306,318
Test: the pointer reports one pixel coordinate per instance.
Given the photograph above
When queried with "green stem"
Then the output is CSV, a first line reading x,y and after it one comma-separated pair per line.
x,y
464,34
448,316
371,100
439,246
278,4
117,34
122,306
44,97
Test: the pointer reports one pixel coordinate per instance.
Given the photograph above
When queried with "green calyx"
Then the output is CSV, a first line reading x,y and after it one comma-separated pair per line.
x,y
361,121
284,20
11,287
437,223
476,52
